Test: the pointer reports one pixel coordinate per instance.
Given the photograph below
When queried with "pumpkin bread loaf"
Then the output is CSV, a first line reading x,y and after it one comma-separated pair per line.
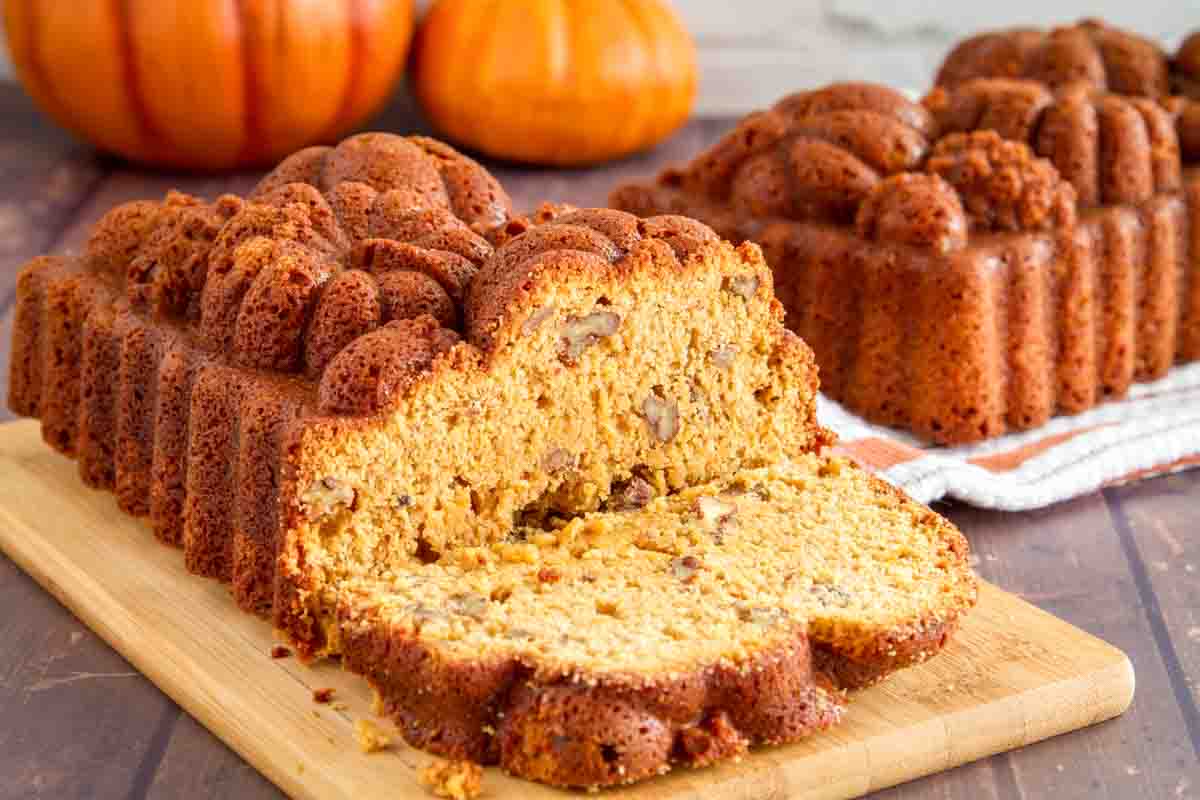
x,y
608,647
344,371
971,265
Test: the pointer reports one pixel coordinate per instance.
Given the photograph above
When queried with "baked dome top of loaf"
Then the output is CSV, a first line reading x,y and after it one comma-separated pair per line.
x,y
1089,52
977,182
814,154
864,155
1112,148
497,306
349,268
332,244
1185,106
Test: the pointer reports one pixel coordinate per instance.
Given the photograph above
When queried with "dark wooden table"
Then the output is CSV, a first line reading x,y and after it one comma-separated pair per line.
x,y
76,721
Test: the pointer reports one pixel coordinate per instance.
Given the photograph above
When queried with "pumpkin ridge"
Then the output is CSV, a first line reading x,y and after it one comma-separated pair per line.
x,y
479,41
562,36
33,59
644,29
152,137
532,92
252,143
355,15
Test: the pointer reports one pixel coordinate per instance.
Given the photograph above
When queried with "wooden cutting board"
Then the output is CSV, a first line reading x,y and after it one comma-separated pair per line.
x,y
1013,675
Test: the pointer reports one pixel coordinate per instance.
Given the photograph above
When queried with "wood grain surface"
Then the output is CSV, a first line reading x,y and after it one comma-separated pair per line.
x,y
79,722
1013,675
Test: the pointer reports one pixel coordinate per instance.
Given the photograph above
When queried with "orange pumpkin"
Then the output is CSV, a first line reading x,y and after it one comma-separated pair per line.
x,y
208,84
549,82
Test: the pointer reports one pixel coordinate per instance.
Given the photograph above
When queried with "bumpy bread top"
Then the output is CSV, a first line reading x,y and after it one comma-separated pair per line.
x,y
977,183
331,245
1186,113
1003,186
814,155
349,267
1111,148
597,241
914,209
369,373
1089,52
865,155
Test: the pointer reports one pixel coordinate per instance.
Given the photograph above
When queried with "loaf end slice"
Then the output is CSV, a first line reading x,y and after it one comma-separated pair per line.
x,y
610,647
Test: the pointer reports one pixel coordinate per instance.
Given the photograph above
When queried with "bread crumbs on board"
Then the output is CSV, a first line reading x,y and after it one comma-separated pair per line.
x,y
370,738
456,780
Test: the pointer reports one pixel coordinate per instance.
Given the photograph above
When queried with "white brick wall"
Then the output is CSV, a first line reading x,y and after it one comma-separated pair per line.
x,y
753,51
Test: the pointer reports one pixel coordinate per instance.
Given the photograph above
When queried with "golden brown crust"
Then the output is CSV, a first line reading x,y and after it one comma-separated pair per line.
x,y
1186,113
333,244
195,333
892,653
586,732
370,372
914,209
1002,185
814,155
595,242
1088,52
1110,148
1185,106
1185,68
892,650
1010,107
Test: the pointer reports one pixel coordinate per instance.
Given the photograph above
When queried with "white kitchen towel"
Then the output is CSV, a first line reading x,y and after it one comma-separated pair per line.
x,y
1153,430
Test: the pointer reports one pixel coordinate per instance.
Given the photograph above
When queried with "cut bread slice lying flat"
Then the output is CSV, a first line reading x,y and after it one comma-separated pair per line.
x,y
607,648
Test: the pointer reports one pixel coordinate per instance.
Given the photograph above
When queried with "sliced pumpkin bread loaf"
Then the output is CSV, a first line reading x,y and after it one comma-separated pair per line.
x,y
370,359
606,648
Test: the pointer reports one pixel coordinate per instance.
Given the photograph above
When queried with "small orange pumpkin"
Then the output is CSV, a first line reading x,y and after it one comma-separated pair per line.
x,y
548,82
208,84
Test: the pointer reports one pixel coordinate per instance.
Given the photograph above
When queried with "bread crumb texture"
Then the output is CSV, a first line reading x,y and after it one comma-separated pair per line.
x,y
457,780
714,572
370,737
595,382
604,648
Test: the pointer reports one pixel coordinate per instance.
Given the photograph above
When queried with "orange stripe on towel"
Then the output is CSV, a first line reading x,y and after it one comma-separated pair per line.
x,y
1011,459
877,453
1159,469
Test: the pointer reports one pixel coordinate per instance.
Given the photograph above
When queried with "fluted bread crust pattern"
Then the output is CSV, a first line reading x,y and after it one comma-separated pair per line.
x,y
218,320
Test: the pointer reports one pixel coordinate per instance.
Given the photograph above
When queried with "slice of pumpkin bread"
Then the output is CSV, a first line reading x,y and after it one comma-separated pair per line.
x,y
606,648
